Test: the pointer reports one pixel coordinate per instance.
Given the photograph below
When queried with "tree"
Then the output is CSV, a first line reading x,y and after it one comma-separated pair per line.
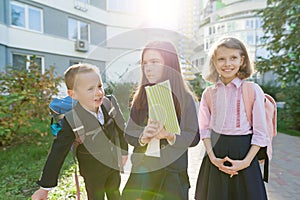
x,y
281,26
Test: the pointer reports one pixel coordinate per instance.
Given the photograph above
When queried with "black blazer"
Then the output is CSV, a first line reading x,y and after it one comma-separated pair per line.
x,y
173,157
100,146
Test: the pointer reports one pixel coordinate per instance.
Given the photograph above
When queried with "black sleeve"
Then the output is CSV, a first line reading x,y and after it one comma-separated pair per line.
x,y
56,157
120,125
135,126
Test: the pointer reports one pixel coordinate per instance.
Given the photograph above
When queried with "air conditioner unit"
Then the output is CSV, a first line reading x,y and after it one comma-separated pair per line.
x,y
81,45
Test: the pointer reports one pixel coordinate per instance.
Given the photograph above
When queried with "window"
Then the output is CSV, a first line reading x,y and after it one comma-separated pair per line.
x,y
25,16
231,26
206,44
74,62
250,38
250,24
258,23
78,30
22,62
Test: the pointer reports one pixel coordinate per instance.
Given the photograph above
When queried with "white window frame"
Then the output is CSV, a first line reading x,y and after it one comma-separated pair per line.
x,y
78,29
26,16
28,60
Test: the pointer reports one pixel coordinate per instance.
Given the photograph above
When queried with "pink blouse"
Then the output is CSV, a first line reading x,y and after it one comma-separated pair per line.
x,y
225,110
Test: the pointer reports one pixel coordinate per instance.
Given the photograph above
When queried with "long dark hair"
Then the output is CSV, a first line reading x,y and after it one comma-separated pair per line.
x,y
171,72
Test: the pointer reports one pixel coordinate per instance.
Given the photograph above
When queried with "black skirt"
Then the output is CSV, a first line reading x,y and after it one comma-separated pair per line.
x,y
162,184
213,184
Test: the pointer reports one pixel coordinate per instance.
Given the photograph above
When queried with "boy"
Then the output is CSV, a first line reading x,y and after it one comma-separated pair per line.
x,y
97,152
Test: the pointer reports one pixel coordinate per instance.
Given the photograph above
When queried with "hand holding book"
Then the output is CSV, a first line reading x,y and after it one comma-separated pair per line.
x,y
161,111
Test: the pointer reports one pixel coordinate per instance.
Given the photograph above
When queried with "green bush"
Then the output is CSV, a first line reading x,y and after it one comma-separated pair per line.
x,y
198,85
24,95
123,93
289,117
292,107
273,90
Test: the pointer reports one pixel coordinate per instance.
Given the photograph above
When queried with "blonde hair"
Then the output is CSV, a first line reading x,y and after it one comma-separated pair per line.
x,y
72,72
245,70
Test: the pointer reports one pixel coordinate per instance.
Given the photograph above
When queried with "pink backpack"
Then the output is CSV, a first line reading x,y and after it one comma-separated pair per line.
x,y
270,107
248,94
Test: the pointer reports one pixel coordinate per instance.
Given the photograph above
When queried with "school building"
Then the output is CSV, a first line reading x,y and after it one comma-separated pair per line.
x,y
111,33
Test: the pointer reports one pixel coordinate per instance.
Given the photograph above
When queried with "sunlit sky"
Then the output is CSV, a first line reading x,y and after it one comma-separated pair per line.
x,y
161,13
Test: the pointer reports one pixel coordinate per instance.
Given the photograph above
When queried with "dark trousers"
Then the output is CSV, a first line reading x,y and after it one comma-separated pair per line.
x,y
99,179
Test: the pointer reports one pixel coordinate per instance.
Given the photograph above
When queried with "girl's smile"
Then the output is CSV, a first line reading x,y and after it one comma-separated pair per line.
x,y
228,62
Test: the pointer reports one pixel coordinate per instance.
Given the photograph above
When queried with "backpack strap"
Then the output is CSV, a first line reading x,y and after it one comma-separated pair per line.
x,y
111,111
248,95
208,97
76,125
248,98
78,129
274,119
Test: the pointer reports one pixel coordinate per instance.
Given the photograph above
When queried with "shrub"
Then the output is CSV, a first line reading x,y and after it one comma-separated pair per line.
x,y
24,95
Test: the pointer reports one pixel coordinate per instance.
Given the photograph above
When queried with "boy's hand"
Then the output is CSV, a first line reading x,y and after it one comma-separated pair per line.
x,y
40,194
124,160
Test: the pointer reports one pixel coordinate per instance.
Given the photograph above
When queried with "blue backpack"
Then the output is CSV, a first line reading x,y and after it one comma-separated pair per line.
x,y
58,107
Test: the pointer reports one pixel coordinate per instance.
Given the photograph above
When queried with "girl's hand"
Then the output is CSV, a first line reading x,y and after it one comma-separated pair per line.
x,y
235,165
150,131
220,164
163,134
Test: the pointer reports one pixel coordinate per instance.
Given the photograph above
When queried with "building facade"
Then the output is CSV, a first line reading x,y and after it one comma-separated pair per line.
x,y
61,33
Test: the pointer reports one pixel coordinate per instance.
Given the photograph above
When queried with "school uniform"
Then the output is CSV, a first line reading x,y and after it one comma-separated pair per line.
x,y
231,135
163,177
97,157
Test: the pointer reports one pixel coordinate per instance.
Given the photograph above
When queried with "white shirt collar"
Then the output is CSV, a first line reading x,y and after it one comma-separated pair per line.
x,y
99,115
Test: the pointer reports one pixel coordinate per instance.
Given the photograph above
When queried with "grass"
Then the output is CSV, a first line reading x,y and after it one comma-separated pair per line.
x,y
21,165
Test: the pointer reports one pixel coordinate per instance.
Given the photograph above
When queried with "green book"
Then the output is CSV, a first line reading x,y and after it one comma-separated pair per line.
x,y
161,106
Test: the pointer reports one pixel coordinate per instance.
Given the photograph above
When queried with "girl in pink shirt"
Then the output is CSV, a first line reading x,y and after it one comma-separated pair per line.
x,y
230,169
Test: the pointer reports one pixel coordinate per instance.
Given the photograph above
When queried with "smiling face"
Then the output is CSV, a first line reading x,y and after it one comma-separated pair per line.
x,y
228,62
88,90
153,65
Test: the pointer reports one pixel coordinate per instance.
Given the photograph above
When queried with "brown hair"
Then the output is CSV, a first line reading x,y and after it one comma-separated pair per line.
x,y
72,72
171,72
245,70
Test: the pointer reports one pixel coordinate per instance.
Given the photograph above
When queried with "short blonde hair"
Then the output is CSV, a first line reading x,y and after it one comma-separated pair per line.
x,y
245,71
72,72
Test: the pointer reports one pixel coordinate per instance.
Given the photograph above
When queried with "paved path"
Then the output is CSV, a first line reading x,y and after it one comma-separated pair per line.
x,y
284,177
